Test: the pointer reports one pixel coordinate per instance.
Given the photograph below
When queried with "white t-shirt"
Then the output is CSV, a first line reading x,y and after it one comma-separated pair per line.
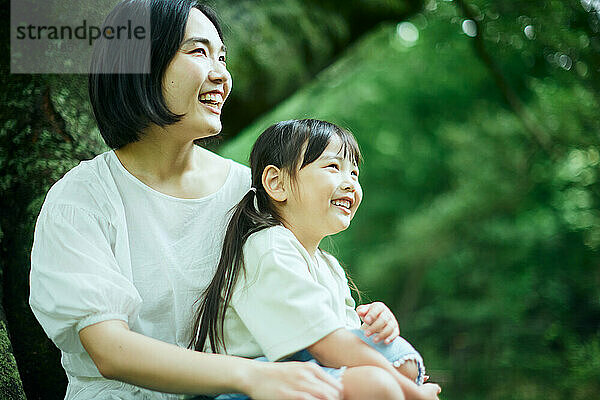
x,y
286,301
107,246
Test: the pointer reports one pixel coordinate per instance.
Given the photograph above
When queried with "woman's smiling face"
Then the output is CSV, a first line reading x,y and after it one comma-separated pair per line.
x,y
196,82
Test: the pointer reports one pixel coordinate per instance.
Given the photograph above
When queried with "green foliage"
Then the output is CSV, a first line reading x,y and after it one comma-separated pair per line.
x,y
277,46
483,241
38,144
11,387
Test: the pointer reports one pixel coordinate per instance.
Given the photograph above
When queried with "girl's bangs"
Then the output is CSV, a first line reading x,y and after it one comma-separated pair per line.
x,y
350,149
318,136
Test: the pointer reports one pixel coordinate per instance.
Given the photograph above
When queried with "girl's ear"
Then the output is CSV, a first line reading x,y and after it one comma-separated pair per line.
x,y
273,182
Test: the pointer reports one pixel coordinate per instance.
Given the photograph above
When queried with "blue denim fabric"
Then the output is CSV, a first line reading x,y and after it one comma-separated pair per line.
x,y
396,352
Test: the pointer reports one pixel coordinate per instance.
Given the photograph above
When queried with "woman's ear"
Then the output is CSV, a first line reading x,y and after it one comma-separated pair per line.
x,y
273,182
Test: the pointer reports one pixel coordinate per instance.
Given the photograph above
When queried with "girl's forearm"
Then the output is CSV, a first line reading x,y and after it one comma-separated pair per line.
x,y
343,348
130,357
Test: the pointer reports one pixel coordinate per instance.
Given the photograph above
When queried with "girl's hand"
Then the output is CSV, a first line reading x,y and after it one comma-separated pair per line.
x,y
430,391
293,380
378,318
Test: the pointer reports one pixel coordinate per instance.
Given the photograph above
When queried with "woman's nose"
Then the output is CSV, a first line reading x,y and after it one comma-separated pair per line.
x,y
218,73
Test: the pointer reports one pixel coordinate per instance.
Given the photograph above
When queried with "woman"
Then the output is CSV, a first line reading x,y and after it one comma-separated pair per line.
x,y
126,241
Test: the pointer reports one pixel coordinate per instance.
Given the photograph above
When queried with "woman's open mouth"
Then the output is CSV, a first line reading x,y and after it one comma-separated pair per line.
x,y
212,100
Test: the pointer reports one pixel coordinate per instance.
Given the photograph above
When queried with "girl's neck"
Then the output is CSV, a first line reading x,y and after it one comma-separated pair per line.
x,y
305,236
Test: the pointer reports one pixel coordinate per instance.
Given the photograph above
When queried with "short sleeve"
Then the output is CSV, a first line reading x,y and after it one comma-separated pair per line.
x,y
280,303
352,318
75,279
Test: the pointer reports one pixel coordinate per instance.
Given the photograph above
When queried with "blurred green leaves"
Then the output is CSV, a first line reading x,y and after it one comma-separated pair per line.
x,y
481,238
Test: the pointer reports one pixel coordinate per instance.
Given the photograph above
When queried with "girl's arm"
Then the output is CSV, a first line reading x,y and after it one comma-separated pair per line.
x,y
130,357
343,348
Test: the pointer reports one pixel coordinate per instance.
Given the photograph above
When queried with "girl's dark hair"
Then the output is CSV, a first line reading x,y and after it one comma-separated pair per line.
x,y
124,99
290,146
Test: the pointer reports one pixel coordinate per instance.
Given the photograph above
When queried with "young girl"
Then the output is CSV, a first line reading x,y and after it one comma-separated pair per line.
x,y
276,294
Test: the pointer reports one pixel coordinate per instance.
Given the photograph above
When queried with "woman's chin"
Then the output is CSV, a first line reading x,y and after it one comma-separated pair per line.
x,y
207,130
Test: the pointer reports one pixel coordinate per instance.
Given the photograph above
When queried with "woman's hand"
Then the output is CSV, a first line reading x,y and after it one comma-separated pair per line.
x,y
292,381
377,318
430,391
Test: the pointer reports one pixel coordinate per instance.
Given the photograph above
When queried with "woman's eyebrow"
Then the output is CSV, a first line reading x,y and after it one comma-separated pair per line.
x,y
205,41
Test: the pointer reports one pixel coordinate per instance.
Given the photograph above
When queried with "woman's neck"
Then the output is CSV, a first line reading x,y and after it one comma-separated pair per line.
x,y
158,160
178,169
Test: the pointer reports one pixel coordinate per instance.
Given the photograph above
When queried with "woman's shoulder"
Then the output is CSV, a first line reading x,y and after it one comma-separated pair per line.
x,y
85,186
218,161
236,176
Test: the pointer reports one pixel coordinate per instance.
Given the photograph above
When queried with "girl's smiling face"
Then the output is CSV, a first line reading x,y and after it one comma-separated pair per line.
x,y
324,196
196,82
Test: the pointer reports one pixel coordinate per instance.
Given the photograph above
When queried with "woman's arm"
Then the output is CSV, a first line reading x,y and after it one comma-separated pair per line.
x,y
343,348
130,357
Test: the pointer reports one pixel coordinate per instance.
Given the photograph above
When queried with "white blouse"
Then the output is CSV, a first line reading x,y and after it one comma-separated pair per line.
x,y
107,246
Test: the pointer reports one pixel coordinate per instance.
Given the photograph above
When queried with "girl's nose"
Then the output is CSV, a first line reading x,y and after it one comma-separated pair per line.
x,y
348,185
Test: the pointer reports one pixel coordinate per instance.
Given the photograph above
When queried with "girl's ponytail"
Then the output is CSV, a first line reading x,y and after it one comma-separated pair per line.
x,y
252,214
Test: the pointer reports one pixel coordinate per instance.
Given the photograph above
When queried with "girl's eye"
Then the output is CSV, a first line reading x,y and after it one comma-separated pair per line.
x,y
222,59
333,166
355,172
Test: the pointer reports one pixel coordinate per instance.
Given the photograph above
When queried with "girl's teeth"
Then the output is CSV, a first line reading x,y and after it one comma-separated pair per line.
x,y
341,203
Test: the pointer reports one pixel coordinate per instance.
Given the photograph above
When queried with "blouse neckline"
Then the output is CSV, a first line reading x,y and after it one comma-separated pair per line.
x,y
113,157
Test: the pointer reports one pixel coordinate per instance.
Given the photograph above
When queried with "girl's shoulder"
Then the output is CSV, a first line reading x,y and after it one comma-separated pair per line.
x,y
276,238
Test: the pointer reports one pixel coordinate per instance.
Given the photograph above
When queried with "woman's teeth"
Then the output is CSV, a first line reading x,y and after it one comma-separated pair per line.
x,y
215,98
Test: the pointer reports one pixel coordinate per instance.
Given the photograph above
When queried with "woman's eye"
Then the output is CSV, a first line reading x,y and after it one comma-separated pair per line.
x,y
222,59
355,172
333,166
199,50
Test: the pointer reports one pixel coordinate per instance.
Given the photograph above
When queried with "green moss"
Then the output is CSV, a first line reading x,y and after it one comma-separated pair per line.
x,y
10,381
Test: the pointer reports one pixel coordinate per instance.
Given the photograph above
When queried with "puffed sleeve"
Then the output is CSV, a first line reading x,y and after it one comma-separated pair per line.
x,y
75,279
281,305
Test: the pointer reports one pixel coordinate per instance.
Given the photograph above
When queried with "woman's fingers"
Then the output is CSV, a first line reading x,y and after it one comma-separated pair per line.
x,y
295,380
331,388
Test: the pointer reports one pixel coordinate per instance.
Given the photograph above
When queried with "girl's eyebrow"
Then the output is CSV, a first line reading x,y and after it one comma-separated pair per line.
x,y
205,41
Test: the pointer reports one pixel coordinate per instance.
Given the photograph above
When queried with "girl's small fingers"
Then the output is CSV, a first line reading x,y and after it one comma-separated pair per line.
x,y
385,332
362,310
374,311
393,335
381,322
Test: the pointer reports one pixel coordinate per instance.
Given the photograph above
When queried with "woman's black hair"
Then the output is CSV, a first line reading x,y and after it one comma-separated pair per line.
x,y
124,102
290,146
